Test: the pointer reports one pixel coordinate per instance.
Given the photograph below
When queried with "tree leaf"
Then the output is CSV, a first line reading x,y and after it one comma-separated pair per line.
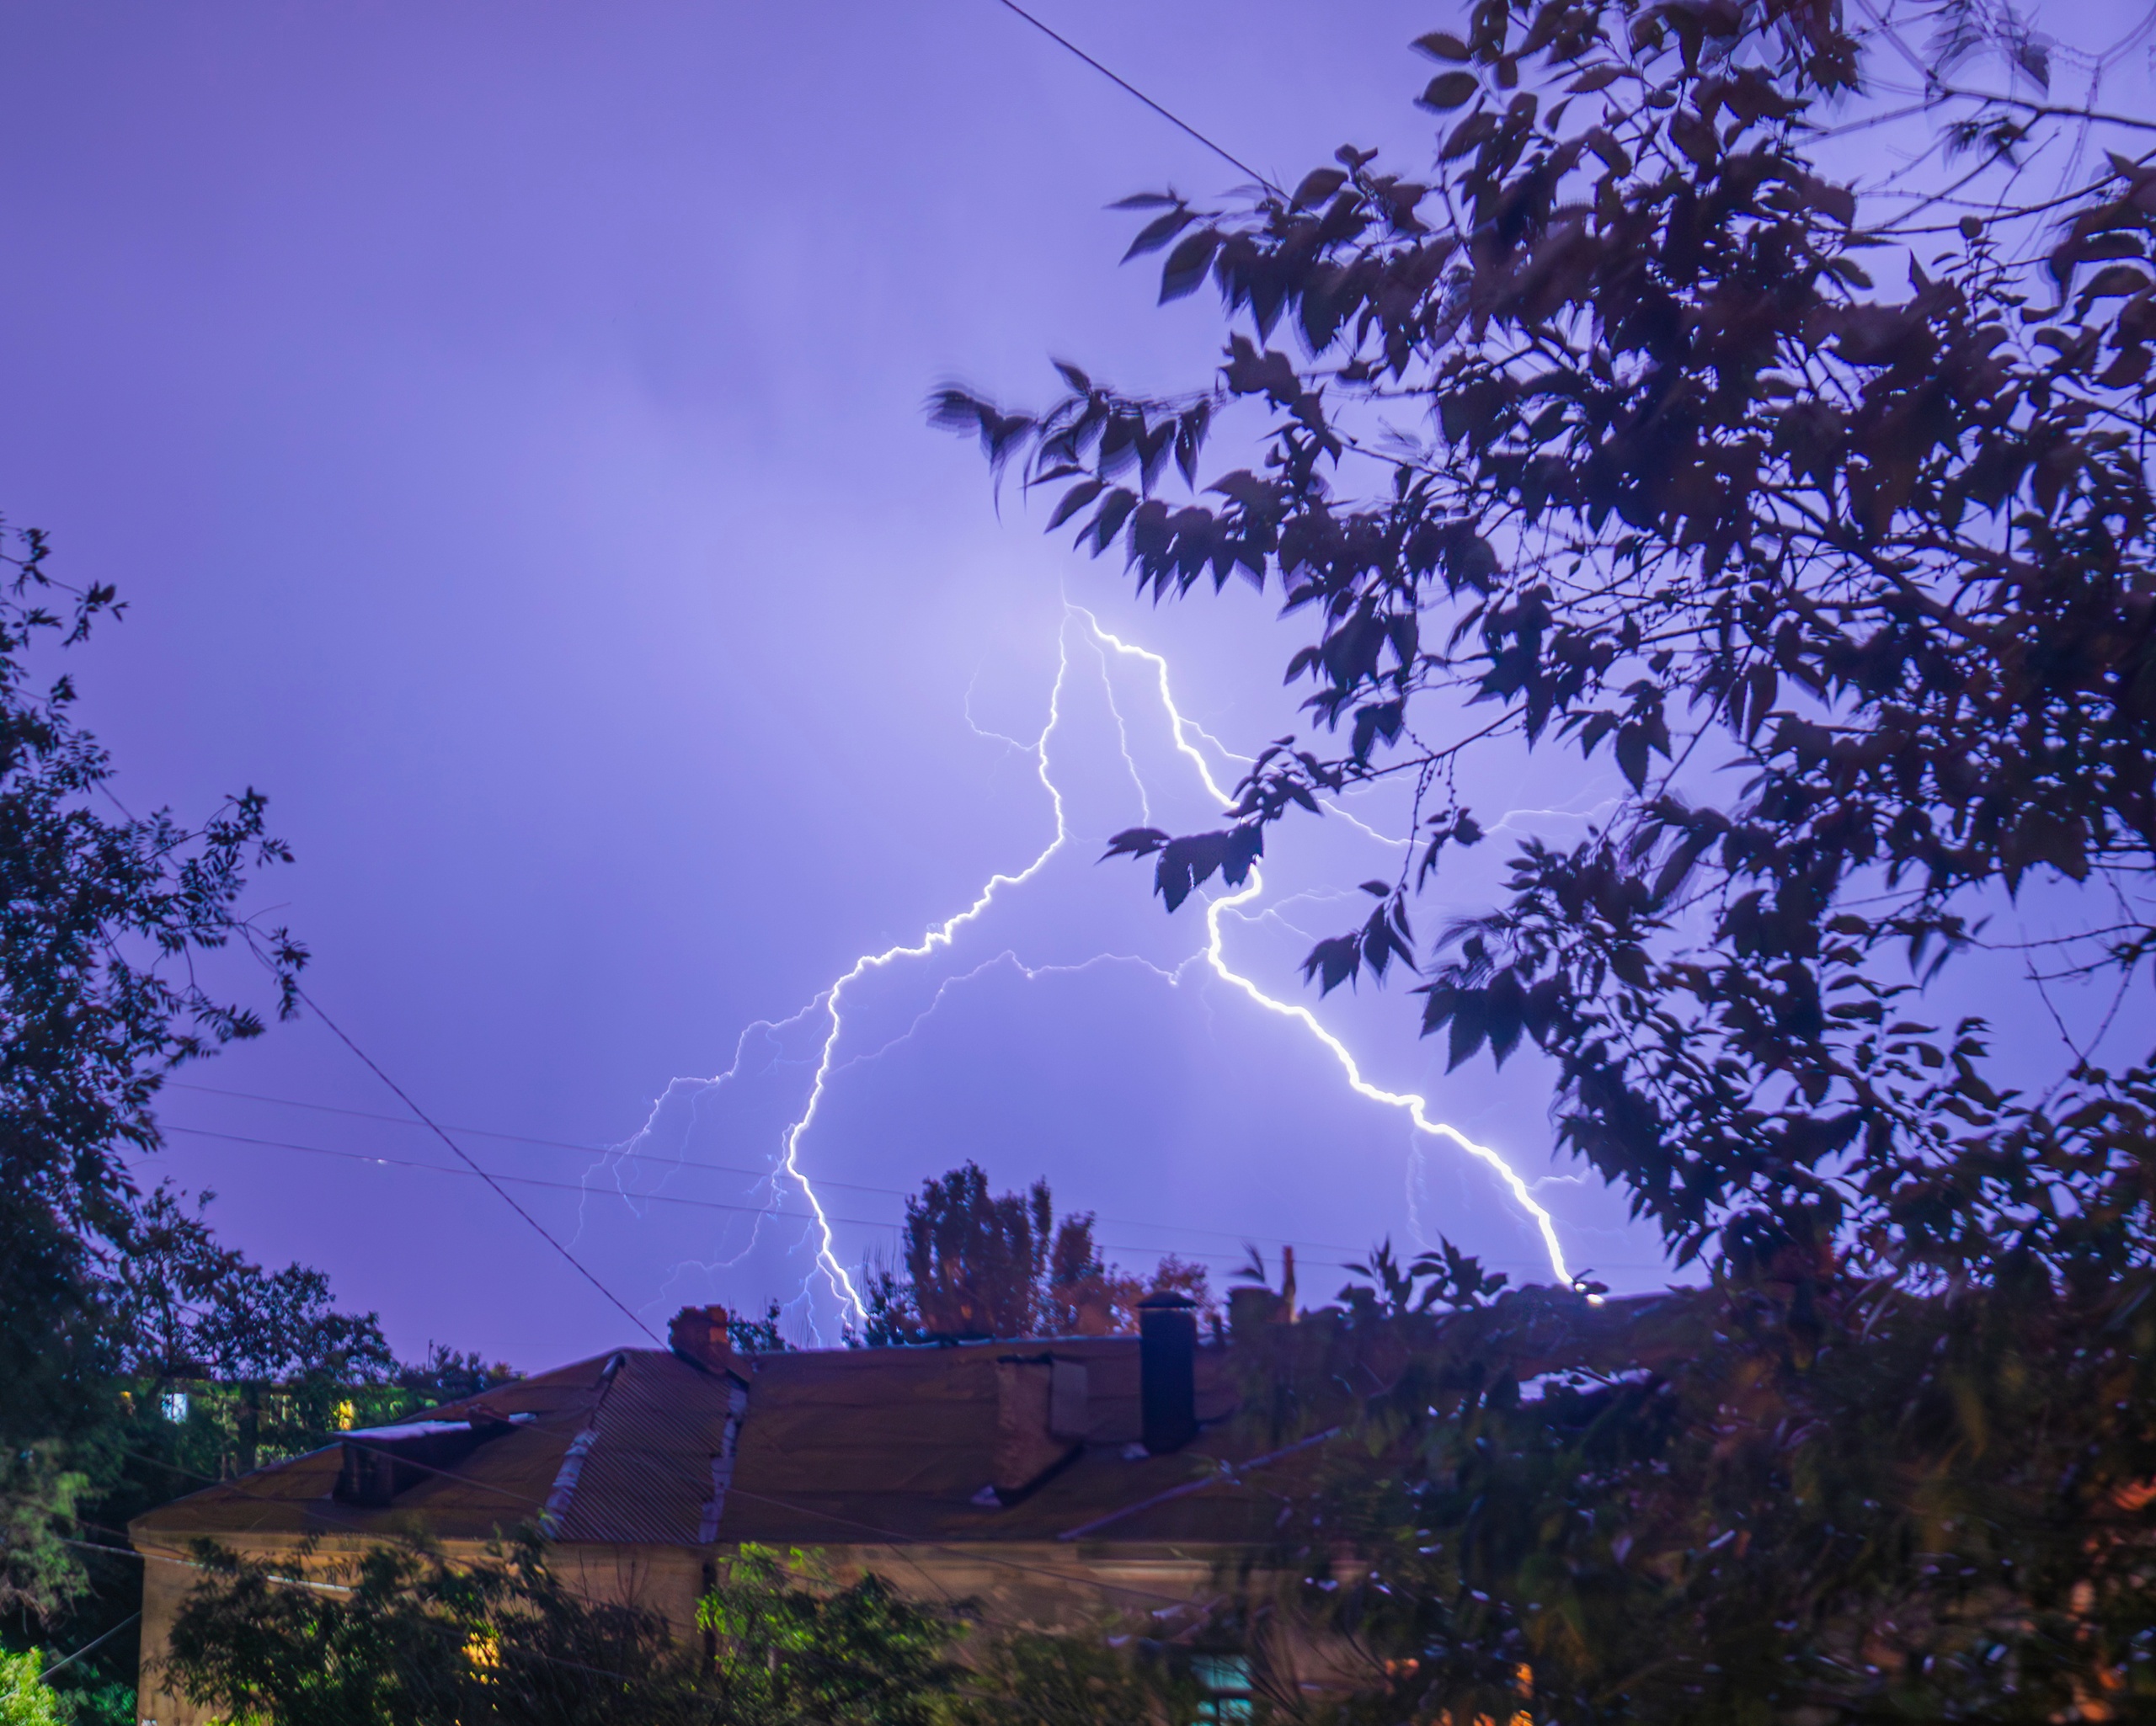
x,y
1157,232
1076,498
1443,44
1185,266
1450,89
1317,185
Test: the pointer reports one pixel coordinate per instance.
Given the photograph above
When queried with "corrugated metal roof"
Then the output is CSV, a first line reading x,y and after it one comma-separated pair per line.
x,y
897,1444
503,1483
836,1448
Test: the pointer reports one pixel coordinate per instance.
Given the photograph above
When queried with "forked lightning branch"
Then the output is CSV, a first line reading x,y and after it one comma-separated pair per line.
x,y
831,1003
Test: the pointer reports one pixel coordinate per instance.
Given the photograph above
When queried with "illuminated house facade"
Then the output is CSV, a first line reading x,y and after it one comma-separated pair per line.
x,y
1058,1481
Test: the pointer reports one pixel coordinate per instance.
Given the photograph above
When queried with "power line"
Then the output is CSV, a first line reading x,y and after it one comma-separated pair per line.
x,y
1124,84
663,1198
520,1138
463,1156
62,1665
369,1156
1244,1236
658,1198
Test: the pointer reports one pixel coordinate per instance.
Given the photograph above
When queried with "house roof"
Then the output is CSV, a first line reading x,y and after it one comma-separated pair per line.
x,y
875,1446
834,1446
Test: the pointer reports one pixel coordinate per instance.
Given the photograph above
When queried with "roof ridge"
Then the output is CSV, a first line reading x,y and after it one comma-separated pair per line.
x,y
555,1510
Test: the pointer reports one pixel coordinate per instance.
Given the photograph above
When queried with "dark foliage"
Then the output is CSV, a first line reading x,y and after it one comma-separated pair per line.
x,y
759,1336
1850,581
189,1307
1692,488
102,914
790,1644
110,1295
977,1266
399,1634
1895,1507
446,1375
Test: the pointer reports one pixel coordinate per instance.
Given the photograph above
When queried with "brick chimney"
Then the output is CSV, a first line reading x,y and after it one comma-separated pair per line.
x,y
1167,1370
698,1334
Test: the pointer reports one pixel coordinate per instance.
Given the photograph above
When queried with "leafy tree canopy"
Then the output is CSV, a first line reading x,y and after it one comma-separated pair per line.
x,y
103,914
1821,513
977,1266
1658,467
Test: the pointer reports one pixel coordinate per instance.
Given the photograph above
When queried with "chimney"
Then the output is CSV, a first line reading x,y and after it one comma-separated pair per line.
x,y
1251,1307
698,1334
1167,1370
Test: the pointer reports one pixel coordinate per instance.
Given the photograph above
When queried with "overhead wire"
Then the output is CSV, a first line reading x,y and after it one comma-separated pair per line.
x,y
1246,1238
1177,1247
596,1150
1124,84
96,1642
464,1157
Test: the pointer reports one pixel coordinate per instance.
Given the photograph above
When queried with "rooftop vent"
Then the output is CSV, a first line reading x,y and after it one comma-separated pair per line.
x,y
1041,1412
381,1462
1167,1370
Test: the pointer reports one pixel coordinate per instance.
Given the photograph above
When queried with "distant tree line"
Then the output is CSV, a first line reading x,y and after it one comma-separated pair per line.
x,y
975,1266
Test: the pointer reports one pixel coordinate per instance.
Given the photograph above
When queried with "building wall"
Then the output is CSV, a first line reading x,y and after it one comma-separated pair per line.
x,y
1048,1586
668,1580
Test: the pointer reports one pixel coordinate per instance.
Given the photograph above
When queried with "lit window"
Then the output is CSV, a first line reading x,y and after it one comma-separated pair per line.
x,y
173,1405
1226,1680
344,1413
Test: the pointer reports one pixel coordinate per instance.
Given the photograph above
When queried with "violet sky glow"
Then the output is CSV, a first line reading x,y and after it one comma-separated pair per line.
x,y
506,424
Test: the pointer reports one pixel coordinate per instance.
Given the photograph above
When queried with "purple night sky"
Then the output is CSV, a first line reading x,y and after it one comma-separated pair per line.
x,y
506,422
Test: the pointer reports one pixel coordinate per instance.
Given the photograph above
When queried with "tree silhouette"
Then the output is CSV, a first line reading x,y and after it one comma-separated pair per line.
x,y
1823,514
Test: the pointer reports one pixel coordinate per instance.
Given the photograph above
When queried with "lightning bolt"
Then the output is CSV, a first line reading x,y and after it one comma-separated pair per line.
x,y
1416,1106
830,1003
941,936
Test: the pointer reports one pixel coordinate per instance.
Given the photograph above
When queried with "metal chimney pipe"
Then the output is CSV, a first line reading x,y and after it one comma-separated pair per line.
x,y
1167,1370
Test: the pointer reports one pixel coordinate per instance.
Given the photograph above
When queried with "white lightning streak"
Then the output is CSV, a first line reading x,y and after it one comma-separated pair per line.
x,y
1029,973
830,1001
1184,729
1417,1107
941,936
616,1157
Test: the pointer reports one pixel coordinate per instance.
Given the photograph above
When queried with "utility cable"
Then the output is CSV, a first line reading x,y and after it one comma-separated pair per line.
x,y
1124,84
62,1665
463,1156
369,1156
514,1138
665,1198
1173,1247
1243,1235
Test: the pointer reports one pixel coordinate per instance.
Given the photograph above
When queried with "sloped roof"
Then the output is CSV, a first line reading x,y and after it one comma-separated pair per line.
x,y
867,1446
895,1445
644,1476
835,1448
